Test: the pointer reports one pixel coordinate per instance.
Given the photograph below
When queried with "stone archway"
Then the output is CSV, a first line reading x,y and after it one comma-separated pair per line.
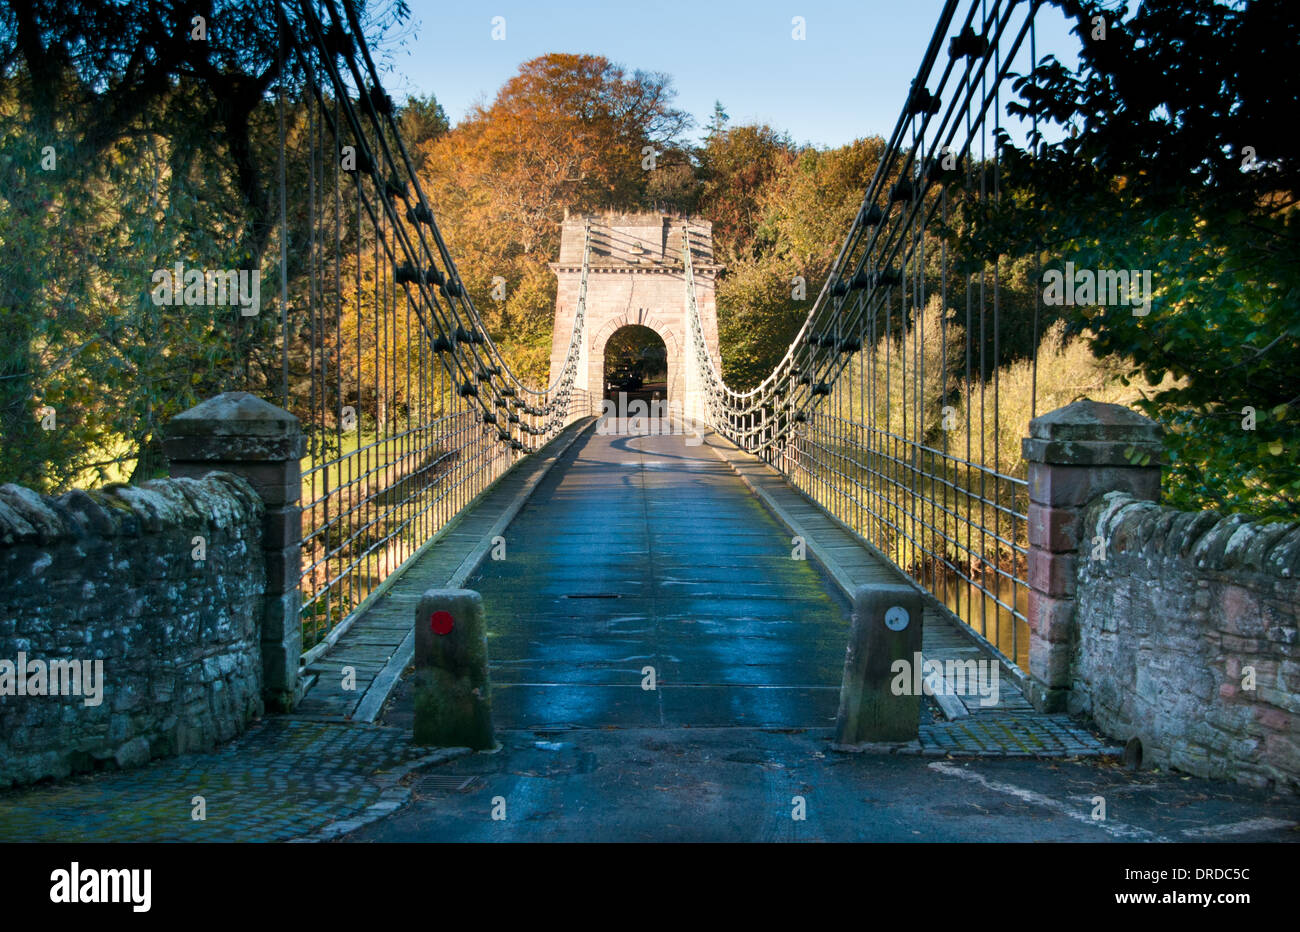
x,y
636,362
642,318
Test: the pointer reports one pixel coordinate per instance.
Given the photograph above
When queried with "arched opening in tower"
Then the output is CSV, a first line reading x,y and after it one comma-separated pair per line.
x,y
636,363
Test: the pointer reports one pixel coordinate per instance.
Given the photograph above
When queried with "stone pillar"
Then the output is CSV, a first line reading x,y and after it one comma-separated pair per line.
x,y
453,693
240,433
886,629
1075,454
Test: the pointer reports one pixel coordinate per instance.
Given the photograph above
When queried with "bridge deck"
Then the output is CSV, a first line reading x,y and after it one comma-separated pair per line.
x,y
641,551
850,565
378,645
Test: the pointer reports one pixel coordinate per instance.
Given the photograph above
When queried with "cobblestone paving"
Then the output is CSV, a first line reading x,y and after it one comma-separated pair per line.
x,y
283,779
296,779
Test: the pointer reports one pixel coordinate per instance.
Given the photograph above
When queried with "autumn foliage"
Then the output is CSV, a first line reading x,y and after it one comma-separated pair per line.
x,y
576,133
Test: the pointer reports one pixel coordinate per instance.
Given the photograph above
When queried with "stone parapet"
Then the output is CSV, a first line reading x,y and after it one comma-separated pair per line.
x,y
129,623
239,433
1075,454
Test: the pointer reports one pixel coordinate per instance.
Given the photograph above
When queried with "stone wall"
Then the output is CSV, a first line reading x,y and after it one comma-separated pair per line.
x,y
1168,628
109,578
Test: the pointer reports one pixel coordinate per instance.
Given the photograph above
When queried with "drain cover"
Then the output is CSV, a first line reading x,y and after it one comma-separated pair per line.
x,y
445,784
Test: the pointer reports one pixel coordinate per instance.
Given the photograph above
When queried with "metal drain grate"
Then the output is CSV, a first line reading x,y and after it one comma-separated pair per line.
x,y
445,784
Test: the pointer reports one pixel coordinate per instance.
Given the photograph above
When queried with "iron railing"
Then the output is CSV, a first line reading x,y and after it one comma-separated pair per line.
x,y
887,409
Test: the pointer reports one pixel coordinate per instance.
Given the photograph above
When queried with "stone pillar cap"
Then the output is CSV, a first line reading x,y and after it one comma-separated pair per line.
x,y
1094,420
1093,433
234,426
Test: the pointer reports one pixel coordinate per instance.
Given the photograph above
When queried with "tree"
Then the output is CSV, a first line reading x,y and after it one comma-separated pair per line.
x,y
778,213
420,121
567,133
718,122
736,168
1180,161
126,101
161,135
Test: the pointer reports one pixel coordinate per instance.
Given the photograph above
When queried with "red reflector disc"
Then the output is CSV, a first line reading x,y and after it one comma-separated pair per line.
x,y
442,623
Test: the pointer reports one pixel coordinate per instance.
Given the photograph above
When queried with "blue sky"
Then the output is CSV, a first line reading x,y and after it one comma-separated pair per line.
x,y
847,79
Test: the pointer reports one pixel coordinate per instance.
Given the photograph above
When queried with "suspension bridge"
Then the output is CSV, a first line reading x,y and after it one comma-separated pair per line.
x,y
716,538
671,567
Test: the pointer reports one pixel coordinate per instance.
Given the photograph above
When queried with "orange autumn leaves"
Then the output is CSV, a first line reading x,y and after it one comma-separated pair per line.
x,y
568,133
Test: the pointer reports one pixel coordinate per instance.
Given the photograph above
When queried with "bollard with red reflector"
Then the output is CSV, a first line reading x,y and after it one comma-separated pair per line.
x,y
453,698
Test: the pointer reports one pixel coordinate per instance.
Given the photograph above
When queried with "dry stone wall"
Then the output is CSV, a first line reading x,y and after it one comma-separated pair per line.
x,y
129,623
1185,630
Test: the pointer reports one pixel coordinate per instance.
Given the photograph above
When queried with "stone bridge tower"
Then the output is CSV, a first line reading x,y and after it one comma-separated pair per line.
x,y
636,276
